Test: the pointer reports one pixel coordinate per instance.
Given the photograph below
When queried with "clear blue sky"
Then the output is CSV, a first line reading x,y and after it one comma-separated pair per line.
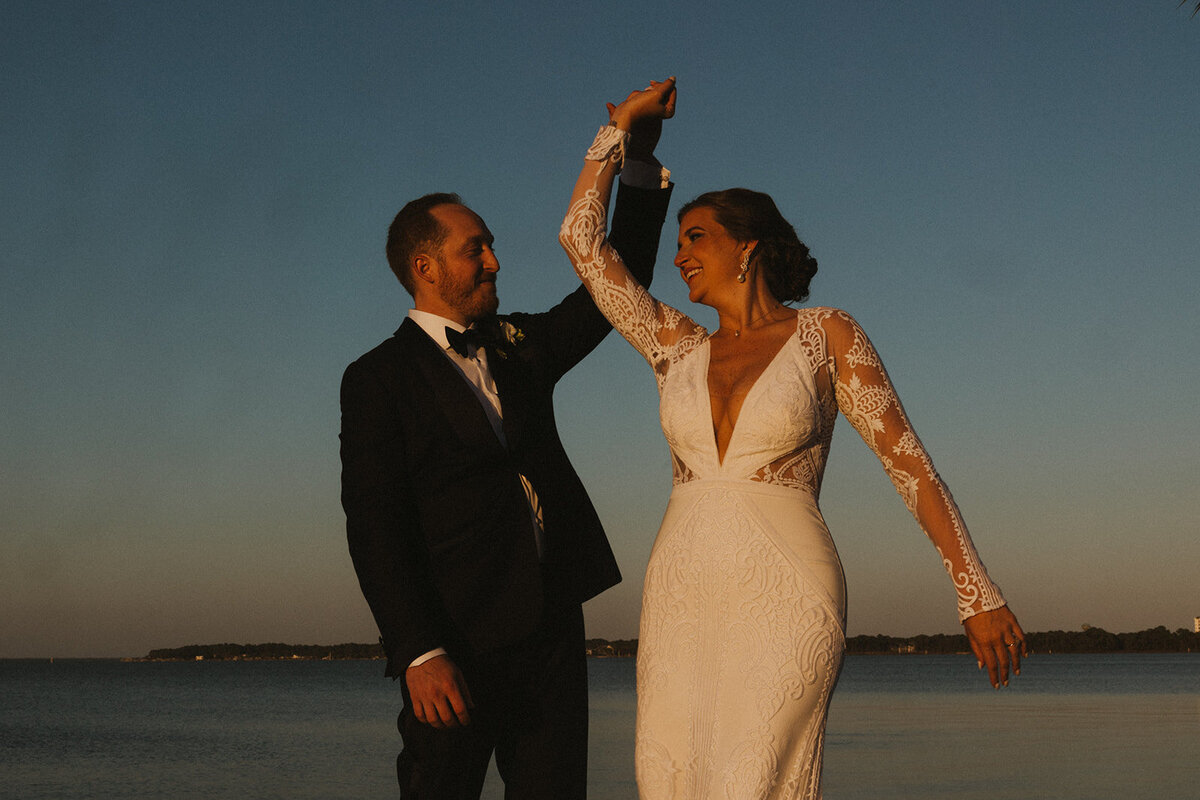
x,y
193,203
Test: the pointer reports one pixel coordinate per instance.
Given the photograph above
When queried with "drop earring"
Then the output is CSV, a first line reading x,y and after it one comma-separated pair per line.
x,y
741,278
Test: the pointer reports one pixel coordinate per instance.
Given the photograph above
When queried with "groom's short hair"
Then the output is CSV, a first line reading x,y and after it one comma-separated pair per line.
x,y
415,229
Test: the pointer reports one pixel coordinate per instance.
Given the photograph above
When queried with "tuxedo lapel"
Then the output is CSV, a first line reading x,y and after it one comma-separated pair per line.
x,y
452,396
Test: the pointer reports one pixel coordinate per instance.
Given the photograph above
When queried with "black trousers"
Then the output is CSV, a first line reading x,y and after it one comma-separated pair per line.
x,y
530,709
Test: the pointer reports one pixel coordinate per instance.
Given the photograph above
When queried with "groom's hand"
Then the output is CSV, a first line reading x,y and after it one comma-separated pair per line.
x,y
439,693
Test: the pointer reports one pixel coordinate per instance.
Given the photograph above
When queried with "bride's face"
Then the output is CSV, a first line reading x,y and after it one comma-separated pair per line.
x,y
708,258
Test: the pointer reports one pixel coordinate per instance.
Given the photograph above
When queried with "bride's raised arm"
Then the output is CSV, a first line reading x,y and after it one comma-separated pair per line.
x,y
656,330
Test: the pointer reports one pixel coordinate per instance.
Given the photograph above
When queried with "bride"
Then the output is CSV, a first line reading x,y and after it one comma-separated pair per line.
x,y
743,612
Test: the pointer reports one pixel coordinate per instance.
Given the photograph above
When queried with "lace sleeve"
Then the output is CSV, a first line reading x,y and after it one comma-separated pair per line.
x,y
657,331
867,399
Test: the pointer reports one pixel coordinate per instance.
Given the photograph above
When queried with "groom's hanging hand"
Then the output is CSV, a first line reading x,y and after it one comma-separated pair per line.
x,y
439,693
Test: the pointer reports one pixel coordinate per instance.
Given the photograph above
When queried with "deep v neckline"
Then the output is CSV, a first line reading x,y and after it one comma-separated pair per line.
x,y
749,392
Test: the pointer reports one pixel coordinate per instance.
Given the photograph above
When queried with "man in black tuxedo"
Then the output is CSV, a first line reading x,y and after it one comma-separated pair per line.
x,y
474,540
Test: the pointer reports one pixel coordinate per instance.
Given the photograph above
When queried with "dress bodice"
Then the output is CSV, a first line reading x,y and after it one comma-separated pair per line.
x,y
784,427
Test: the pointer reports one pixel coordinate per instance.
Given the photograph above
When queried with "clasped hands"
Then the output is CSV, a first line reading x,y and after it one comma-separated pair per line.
x,y
642,114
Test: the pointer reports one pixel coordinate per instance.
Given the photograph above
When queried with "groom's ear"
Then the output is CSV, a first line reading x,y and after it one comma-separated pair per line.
x,y
424,268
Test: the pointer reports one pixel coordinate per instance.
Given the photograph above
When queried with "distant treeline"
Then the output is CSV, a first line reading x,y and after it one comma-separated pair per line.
x,y
1088,640
272,651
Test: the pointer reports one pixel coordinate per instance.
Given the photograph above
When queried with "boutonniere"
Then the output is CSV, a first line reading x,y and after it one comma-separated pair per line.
x,y
511,333
506,338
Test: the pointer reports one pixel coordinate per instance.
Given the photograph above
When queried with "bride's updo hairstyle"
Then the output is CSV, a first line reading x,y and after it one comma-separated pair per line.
x,y
783,258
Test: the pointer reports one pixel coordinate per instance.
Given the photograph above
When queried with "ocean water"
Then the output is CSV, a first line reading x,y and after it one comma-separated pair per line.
x,y
1078,727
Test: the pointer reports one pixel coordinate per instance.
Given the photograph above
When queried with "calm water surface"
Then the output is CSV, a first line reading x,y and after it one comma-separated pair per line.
x,y
1073,727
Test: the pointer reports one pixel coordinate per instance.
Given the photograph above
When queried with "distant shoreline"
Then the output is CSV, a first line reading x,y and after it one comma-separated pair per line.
x,y
1088,640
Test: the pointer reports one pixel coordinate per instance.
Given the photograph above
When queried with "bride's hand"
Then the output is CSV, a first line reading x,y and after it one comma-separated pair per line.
x,y
998,643
648,106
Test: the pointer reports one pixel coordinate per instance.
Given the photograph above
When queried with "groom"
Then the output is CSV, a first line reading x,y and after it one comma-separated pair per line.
x,y
474,540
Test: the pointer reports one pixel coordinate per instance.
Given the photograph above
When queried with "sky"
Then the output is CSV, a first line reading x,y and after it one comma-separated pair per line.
x,y
193,204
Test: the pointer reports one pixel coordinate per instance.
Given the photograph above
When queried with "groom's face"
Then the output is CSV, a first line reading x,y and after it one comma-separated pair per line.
x,y
467,263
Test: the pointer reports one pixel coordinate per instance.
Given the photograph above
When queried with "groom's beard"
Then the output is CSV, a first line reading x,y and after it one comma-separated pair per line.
x,y
474,299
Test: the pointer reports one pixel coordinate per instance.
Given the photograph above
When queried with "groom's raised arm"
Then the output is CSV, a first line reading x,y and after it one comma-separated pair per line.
x,y
575,326
644,190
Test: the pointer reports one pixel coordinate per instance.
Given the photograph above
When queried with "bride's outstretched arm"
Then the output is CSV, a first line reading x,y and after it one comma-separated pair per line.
x,y
867,399
653,328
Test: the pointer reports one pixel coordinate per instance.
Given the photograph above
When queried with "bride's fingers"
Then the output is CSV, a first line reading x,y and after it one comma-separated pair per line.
x,y
654,102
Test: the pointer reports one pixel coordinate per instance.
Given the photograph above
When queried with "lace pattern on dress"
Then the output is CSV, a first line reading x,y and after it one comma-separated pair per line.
x,y
804,467
727,600
680,471
659,332
868,400
609,145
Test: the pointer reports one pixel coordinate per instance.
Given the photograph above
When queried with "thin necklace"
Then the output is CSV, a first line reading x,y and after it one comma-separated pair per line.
x,y
737,332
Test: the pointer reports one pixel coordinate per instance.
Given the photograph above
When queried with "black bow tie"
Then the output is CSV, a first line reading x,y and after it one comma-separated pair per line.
x,y
465,343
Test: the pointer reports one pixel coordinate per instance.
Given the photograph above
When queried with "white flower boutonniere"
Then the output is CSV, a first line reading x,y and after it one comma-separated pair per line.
x,y
509,338
511,333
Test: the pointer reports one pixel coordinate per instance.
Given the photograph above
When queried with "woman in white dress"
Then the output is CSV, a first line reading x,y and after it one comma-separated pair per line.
x,y
743,612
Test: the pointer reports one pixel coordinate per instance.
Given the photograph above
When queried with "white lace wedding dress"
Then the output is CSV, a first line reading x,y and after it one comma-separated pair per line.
x,y
743,611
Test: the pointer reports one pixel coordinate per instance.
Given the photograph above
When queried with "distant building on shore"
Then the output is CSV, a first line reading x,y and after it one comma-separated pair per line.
x,y
1196,625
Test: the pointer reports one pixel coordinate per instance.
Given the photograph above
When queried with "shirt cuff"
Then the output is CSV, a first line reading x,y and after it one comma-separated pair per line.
x,y
645,175
419,660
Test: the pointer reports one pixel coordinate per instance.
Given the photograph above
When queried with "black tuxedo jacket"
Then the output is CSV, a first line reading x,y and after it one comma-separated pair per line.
x,y
437,520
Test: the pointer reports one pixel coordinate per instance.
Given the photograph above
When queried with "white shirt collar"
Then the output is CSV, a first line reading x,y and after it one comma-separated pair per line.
x,y
435,326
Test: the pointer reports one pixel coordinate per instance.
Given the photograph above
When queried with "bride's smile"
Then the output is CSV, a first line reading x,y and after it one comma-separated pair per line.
x,y
706,248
